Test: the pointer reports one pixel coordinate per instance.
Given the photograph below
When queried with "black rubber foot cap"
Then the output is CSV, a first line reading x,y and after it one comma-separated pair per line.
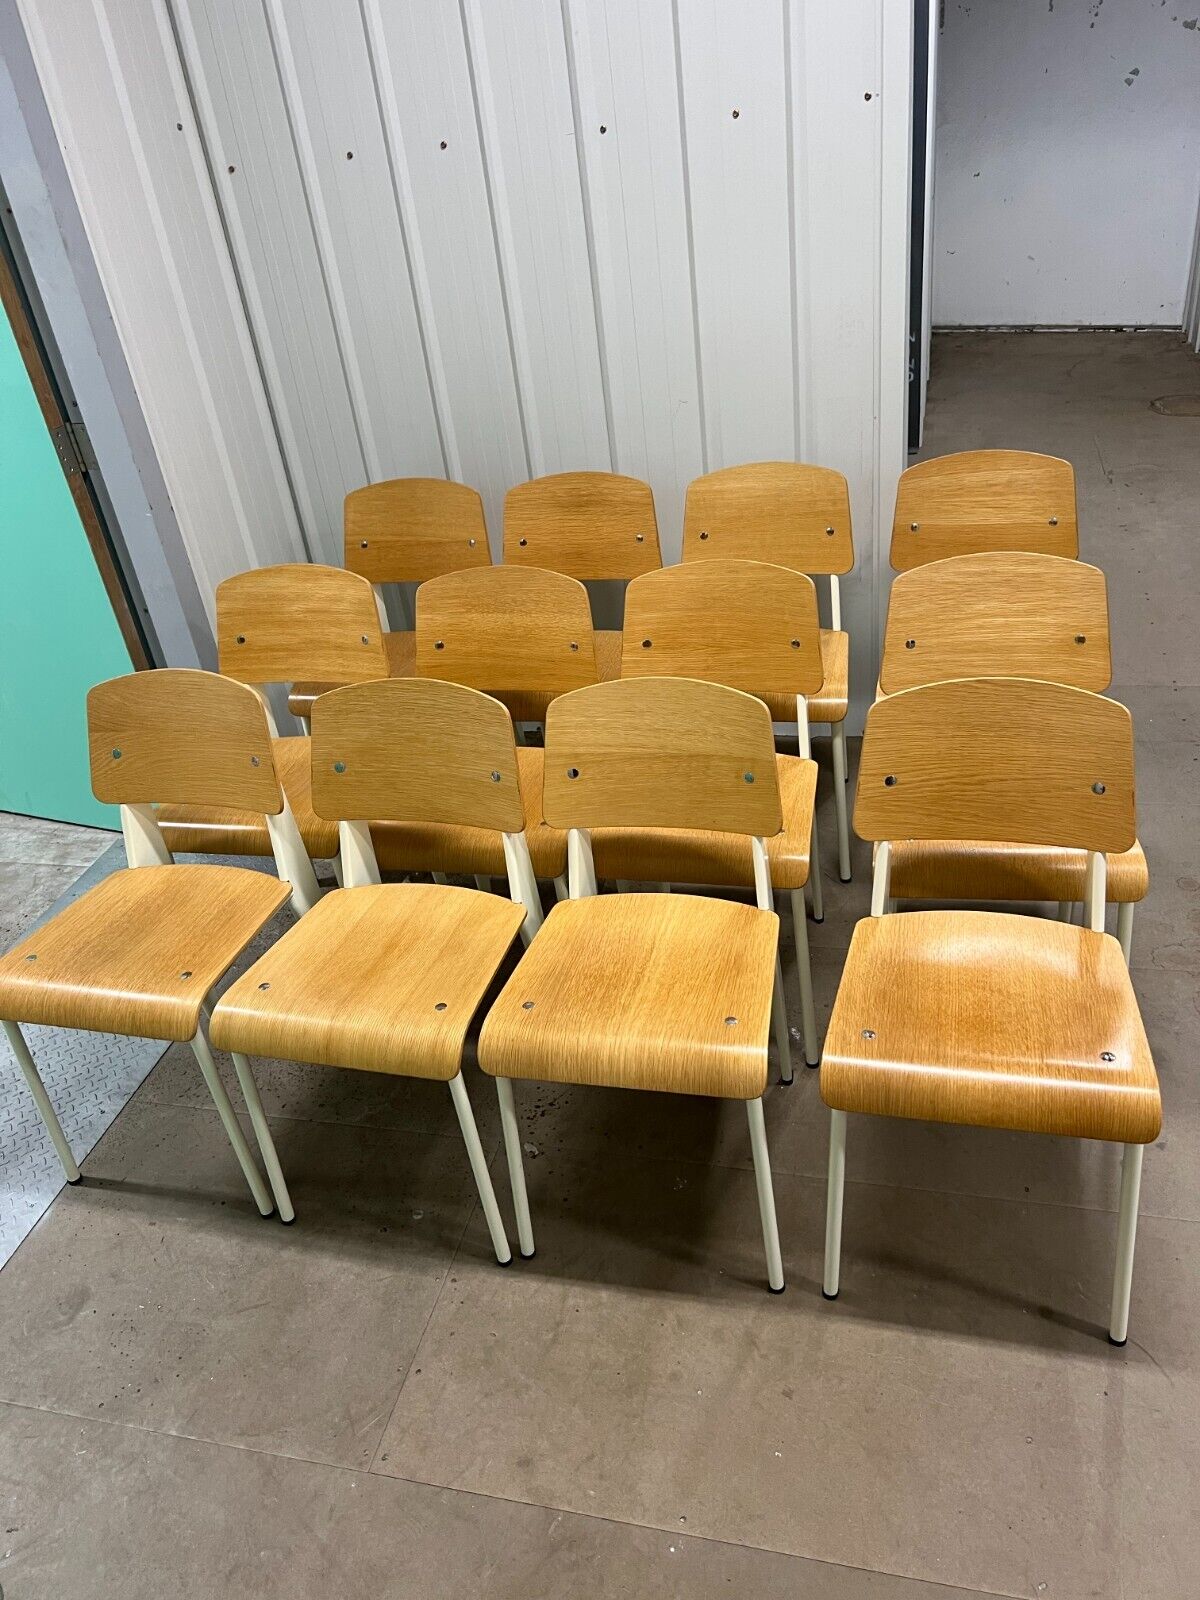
x,y
786,1083
780,1289
812,1065
1119,1343
507,1263
825,1296
529,1256
286,1222
818,919
74,1181
846,879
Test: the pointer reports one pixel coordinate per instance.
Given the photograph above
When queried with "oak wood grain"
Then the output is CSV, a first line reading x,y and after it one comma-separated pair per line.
x,y
785,512
984,500
301,621
404,530
585,524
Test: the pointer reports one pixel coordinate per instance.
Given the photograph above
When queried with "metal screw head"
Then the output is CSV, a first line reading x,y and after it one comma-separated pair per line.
x,y
470,544
829,533
255,762
439,644
264,986
736,115
522,543
116,755
339,767
730,1022
1097,788
647,644
362,544
572,772
868,1033
795,644
527,1005
890,781
704,535
185,974
495,777
441,1006
31,958
1081,638
1054,522
241,638
913,526
640,538
1107,1055
747,777
910,644
364,638
574,644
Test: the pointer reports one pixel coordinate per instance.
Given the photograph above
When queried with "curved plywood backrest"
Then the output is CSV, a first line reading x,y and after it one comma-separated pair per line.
x,y
1003,614
506,628
586,524
1002,759
280,624
408,529
415,750
747,624
784,512
979,500
179,736
661,753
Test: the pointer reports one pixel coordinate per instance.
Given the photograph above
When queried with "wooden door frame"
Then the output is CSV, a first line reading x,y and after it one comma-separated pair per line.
x,y
74,463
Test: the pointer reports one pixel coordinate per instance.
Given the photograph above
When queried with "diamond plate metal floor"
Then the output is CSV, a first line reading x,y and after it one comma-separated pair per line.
x,y
88,1076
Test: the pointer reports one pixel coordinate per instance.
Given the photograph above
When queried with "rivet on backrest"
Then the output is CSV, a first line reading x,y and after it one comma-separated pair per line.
x,y
647,644
572,772
890,781
1081,638
339,766
522,543
495,777
913,526
1054,522
704,535
1097,788
829,533
795,644
116,755
910,644
747,777
362,544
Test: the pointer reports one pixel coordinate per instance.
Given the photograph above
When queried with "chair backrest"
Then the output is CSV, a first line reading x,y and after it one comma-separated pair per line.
x,y
506,628
1000,759
784,512
405,530
1005,613
661,752
984,500
415,750
746,624
282,624
585,524
178,736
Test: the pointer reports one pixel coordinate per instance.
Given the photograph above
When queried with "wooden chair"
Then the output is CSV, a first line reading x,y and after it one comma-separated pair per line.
x,y
589,526
387,977
1004,614
650,991
753,627
403,531
140,953
797,516
275,625
981,1017
979,500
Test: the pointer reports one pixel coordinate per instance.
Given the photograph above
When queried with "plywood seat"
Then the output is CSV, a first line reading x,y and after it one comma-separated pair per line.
x,y
446,847
934,869
831,704
682,856
991,1020
530,705
637,991
400,650
139,953
385,977
226,831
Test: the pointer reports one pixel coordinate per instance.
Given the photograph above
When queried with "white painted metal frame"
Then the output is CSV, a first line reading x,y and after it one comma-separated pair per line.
x,y
1131,1156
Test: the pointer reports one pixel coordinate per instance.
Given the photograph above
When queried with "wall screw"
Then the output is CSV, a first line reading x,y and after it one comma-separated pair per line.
x,y
441,144
736,115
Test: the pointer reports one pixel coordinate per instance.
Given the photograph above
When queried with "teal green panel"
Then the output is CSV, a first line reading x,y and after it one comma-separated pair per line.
x,y
58,634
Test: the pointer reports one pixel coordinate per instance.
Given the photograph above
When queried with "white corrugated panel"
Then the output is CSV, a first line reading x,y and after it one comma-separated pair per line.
x,y
492,239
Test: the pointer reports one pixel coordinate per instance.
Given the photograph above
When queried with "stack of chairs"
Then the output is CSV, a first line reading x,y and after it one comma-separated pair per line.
x,y
993,770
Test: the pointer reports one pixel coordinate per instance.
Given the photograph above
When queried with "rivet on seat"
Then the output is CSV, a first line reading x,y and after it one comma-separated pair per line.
x,y
640,537
527,1005
185,975
470,544
241,638
574,644
441,1006
730,1021
1107,1055
264,986
868,1033
31,958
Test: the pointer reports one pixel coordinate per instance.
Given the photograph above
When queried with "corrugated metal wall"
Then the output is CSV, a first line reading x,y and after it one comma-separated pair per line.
x,y
351,239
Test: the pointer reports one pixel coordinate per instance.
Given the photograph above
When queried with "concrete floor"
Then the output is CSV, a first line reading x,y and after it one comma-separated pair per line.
x,y
195,1402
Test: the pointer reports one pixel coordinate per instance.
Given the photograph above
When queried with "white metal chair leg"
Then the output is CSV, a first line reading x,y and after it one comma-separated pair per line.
x,y
783,1038
838,731
479,1166
42,1100
808,1012
1131,1183
1125,928
516,1166
266,1144
834,1193
814,872
766,1194
233,1127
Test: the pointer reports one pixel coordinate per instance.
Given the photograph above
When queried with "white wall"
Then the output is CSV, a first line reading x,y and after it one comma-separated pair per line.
x,y
493,239
1068,161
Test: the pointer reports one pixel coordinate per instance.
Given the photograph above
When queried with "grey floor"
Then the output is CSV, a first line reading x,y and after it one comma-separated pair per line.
x,y
197,1402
